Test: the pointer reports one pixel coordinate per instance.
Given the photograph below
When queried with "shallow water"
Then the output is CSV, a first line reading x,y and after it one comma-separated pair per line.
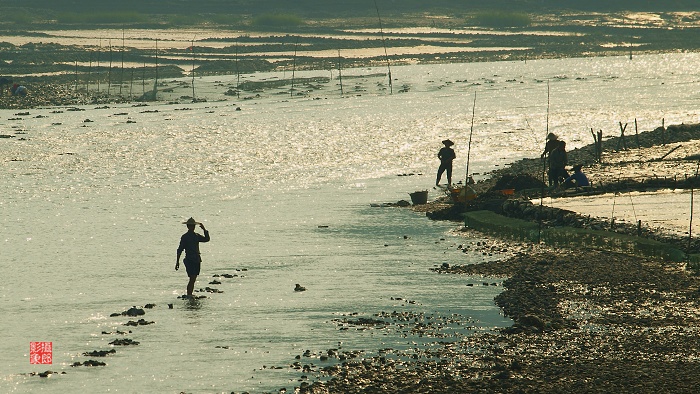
x,y
92,214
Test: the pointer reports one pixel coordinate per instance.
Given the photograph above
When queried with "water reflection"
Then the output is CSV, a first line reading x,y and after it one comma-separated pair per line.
x,y
193,303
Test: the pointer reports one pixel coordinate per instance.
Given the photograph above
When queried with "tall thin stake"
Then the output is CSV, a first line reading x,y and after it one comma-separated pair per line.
x,y
109,73
131,84
99,51
386,55
340,74
121,76
89,73
294,67
143,78
76,75
155,82
238,74
193,60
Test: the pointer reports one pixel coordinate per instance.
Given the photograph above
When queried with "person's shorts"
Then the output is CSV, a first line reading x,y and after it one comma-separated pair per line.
x,y
192,267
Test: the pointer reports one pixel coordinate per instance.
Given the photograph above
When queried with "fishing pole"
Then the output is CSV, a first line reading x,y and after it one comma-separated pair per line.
x,y
386,55
612,215
544,170
532,136
469,146
634,211
690,226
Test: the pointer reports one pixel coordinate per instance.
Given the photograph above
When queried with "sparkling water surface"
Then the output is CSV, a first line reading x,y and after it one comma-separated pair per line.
x,y
92,214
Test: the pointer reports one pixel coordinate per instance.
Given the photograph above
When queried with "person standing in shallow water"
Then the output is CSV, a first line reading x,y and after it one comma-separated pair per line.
x,y
189,242
446,156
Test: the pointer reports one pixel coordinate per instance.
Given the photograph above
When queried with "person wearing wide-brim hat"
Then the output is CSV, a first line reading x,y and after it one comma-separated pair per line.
x,y
189,242
446,156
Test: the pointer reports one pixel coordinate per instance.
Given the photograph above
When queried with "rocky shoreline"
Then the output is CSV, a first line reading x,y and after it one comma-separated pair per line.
x,y
644,172
585,320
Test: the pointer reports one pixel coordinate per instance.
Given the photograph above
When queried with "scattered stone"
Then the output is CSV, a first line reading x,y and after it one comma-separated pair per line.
x,y
192,297
99,353
209,290
134,311
116,332
46,374
124,342
140,322
298,287
89,363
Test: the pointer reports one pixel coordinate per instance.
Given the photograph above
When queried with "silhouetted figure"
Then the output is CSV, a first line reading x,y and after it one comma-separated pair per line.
x,y
577,179
189,242
551,144
446,156
18,90
4,82
557,164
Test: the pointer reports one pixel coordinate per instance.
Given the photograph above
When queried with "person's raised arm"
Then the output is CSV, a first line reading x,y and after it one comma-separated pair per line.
x,y
206,233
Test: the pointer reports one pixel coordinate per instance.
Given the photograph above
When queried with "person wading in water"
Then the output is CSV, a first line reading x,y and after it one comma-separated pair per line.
x,y
189,242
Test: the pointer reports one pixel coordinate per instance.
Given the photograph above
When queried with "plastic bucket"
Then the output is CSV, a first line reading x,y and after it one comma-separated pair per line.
x,y
419,197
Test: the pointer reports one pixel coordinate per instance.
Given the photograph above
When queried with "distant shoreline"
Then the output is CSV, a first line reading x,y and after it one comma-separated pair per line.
x,y
115,52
